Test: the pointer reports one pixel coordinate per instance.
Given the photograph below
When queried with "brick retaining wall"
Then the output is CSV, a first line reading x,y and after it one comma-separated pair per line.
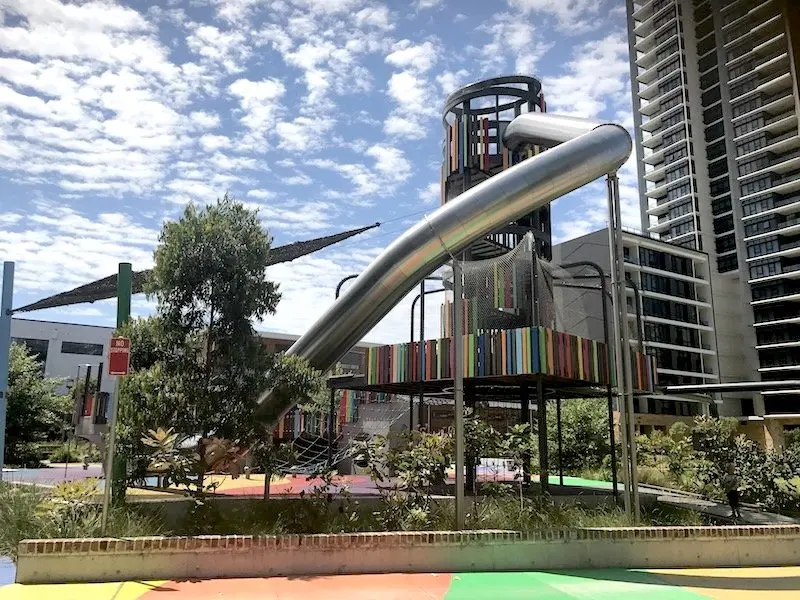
x,y
295,555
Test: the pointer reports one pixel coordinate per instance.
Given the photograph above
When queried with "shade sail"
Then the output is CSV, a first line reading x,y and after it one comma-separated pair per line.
x,y
105,288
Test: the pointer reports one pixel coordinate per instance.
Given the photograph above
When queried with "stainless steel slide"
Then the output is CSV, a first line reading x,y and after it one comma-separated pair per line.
x,y
585,150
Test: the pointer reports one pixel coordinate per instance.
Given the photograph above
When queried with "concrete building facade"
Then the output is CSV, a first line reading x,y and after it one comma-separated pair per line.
x,y
716,104
675,302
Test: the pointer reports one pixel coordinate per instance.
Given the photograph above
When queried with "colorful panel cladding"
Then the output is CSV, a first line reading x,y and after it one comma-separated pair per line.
x,y
528,350
298,422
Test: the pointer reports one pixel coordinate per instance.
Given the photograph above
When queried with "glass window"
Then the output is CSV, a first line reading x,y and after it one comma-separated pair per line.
x,y
723,224
727,263
36,347
751,145
757,185
711,96
761,248
82,348
725,243
720,186
766,269
721,205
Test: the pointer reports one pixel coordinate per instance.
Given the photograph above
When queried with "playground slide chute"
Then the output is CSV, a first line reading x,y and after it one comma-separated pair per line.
x,y
584,151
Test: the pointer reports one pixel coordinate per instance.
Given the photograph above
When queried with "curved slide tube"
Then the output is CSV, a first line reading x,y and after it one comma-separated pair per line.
x,y
585,150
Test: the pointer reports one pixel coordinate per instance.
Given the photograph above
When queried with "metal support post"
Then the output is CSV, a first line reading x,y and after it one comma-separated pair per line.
x,y
458,391
625,379
525,419
421,351
115,467
560,449
544,467
5,349
331,410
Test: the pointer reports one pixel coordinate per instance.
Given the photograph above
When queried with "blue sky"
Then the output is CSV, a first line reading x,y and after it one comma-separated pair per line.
x,y
324,114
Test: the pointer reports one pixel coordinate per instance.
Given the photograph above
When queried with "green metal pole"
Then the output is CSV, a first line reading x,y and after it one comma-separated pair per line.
x,y
124,292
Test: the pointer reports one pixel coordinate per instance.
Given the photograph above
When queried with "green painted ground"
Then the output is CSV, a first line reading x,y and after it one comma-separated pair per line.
x,y
600,584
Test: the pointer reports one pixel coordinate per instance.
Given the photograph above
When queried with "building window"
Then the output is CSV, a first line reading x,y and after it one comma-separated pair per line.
x,y
668,68
751,166
679,191
746,107
723,224
761,248
672,102
751,145
757,185
725,243
675,155
668,51
717,169
759,226
663,37
38,348
675,174
711,96
720,186
715,150
740,70
743,88
721,205
727,263
673,120
758,206
751,124
766,269
82,348
709,79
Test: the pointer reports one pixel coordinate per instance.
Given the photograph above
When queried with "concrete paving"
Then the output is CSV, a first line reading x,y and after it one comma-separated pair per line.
x,y
665,584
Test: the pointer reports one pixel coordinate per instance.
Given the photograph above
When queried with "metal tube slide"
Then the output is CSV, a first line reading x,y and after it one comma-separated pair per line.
x,y
586,150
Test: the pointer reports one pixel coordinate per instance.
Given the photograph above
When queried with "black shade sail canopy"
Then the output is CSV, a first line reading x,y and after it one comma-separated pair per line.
x,y
105,288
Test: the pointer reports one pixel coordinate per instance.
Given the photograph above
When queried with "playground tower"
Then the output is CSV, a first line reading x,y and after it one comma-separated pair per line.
x,y
500,269
475,118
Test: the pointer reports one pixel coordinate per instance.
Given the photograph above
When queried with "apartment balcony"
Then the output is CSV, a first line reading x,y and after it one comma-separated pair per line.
x,y
665,222
790,296
652,125
778,345
649,74
781,185
781,205
651,40
788,250
652,91
655,141
777,322
649,59
756,52
680,238
780,144
662,207
646,26
736,15
784,165
748,34
767,86
644,9
662,186
779,119
657,156
652,108
766,72
700,301
791,271
780,228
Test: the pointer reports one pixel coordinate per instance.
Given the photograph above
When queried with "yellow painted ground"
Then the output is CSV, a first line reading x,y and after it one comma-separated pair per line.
x,y
770,583
131,590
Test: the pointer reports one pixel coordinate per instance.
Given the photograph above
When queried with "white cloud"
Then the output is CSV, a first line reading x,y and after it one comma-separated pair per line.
x,y
391,168
260,106
226,48
514,40
211,142
261,194
427,4
297,179
304,134
431,193
571,16
450,81
596,79
407,55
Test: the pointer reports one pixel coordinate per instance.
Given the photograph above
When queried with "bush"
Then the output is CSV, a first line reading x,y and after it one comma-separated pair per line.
x,y
75,453
27,512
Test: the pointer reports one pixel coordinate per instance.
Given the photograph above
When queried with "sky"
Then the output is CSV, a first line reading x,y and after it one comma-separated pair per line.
x,y
323,114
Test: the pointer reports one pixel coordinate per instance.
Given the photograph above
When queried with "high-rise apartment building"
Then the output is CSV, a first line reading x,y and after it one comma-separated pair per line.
x,y
716,105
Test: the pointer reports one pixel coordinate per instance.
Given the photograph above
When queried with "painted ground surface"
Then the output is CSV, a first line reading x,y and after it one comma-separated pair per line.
x,y
686,584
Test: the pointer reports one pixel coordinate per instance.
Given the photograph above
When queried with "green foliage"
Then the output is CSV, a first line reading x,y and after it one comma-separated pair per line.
x,y
35,413
72,452
27,512
584,433
198,367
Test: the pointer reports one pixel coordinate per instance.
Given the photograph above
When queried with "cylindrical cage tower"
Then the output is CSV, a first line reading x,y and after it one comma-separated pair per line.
x,y
499,272
475,118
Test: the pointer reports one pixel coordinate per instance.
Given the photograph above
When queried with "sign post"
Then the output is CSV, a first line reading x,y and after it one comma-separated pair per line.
x,y
119,362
